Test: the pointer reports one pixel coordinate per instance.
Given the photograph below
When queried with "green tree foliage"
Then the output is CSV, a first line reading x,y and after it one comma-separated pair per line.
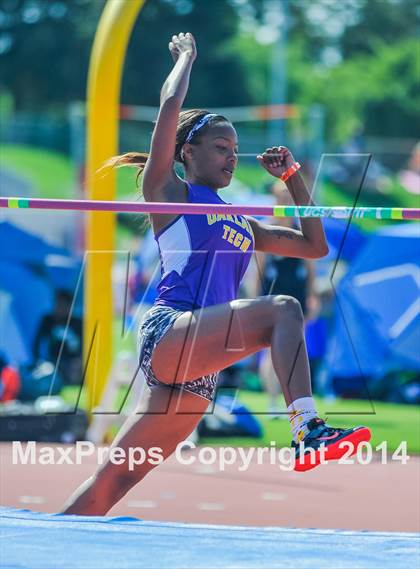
x,y
358,58
44,50
377,92
386,21
219,77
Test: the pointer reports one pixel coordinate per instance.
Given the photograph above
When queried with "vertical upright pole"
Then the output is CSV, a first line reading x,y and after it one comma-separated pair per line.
x,y
278,10
104,82
316,127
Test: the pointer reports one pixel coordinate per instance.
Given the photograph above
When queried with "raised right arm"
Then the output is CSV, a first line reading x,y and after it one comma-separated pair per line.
x,y
159,171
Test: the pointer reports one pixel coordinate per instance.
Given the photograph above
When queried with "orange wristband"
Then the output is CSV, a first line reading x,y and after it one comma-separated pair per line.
x,y
290,171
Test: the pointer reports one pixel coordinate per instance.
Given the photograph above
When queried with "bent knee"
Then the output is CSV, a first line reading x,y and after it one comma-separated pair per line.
x,y
288,307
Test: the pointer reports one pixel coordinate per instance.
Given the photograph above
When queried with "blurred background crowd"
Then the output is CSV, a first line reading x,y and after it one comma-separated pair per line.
x,y
336,82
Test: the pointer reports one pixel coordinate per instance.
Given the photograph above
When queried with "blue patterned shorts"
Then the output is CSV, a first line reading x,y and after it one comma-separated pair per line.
x,y
156,322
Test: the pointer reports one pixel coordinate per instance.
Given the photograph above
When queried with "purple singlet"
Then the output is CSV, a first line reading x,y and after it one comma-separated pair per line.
x,y
203,257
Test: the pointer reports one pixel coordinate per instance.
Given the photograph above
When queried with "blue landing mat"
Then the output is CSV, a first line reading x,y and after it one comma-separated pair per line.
x,y
34,540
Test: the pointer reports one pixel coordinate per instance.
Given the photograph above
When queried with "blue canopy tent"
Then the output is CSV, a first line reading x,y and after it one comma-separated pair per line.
x,y
30,298
344,242
377,320
335,230
11,343
19,246
30,272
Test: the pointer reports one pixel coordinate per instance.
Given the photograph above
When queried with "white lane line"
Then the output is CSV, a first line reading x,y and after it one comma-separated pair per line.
x,y
32,499
205,469
273,496
141,504
207,506
168,495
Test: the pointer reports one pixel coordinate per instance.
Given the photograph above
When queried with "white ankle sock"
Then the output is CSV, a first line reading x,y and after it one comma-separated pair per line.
x,y
301,411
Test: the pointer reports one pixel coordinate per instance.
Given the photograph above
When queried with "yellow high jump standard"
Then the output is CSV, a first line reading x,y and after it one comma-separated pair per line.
x,y
103,94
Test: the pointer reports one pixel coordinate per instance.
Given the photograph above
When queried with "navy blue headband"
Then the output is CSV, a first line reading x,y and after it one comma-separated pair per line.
x,y
203,121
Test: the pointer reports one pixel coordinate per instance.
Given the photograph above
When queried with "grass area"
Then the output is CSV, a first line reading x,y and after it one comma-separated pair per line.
x,y
126,184
123,338
52,175
389,422
253,176
398,197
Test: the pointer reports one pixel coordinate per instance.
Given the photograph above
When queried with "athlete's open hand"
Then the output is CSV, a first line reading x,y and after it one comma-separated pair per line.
x,y
183,43
276,160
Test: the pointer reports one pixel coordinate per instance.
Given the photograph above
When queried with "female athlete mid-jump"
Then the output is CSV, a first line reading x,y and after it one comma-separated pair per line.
x,y
197,326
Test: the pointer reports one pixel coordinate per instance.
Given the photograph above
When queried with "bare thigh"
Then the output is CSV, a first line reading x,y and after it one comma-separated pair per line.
x,y
208,340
